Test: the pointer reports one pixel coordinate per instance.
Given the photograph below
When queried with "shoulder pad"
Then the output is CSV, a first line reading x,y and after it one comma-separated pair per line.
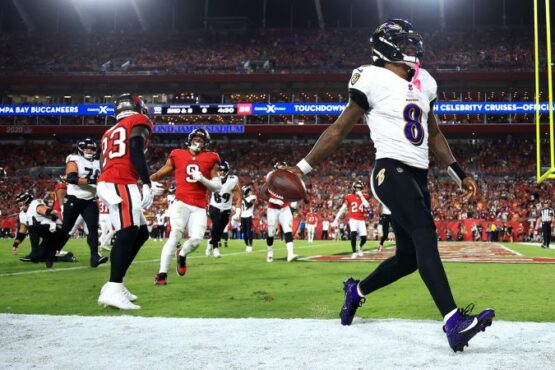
x,y
72,158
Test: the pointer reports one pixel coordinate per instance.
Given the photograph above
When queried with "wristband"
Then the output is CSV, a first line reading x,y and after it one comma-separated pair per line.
x,y
456,173
304,166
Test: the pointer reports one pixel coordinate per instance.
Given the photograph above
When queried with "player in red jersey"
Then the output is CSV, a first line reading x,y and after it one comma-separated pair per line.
x,y
60,192
311,223
123,162
196,173
355,202
279,214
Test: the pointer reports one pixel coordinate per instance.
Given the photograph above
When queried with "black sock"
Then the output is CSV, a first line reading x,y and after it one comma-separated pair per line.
x,y
362,241
288,237
142,237
121,254
354,241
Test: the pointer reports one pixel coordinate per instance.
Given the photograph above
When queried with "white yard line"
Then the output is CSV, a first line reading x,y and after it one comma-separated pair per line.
x,y
508,249
62,269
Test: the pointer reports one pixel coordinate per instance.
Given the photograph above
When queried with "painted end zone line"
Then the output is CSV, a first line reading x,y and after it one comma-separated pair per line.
x,y
470,252
509,249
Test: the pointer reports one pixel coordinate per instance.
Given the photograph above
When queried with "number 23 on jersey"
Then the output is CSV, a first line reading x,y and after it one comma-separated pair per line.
x,y
118,147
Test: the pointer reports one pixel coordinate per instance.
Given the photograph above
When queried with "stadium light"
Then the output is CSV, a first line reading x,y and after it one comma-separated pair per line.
x,y
27,20
84,18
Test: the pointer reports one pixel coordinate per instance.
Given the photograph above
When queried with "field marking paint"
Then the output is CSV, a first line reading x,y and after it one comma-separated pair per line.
x,y
51,271
509,249
461,252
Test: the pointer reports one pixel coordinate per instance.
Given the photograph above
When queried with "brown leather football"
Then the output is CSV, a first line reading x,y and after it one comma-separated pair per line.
x,y
286,186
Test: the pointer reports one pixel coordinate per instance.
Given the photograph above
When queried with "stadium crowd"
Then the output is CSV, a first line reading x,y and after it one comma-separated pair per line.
x,y
266,51
508,191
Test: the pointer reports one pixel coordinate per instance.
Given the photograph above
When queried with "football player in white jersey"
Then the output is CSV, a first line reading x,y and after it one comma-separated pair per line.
x,y
170,198
247,214
23,200
385,221
279,214
82,171
39,221
160,225
220,207
395,98
106,230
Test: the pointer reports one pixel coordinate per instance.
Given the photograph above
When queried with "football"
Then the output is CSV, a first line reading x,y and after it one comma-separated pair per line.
x,y
286,186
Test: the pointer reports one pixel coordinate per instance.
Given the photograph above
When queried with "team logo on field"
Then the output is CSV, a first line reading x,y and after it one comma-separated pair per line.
x,y
380,176
355,78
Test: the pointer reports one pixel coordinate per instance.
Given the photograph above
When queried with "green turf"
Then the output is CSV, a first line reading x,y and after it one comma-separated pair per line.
x,y
244,285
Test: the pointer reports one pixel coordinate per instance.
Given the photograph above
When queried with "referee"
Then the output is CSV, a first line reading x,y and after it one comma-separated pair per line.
x,y
547,217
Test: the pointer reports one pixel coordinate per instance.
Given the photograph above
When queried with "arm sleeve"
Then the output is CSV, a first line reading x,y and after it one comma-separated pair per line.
x,y
365,202
72,178
214,184
138,159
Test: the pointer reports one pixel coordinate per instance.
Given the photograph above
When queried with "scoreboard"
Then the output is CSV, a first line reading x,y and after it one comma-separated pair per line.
x,y
193,109
264,109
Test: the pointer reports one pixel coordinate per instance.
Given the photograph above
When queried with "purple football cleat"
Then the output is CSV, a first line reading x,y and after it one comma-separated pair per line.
x,y
461,327
352,301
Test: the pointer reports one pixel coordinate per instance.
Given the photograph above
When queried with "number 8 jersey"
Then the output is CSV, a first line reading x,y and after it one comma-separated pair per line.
x,y
117,167
397,112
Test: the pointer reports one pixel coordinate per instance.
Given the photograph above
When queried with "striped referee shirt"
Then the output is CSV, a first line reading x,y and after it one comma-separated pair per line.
x,y
547,214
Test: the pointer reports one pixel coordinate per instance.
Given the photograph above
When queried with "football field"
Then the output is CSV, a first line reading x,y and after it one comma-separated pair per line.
x,y
256,297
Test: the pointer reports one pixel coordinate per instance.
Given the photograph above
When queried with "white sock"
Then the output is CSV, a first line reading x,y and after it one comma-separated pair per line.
x,y
448,316
187,248
270,248
289,247
168,251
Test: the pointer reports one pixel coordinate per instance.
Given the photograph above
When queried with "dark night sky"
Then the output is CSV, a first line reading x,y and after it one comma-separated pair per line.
x,y
51,15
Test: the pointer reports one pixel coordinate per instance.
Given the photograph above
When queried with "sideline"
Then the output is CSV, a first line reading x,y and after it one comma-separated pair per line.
x,y
126,342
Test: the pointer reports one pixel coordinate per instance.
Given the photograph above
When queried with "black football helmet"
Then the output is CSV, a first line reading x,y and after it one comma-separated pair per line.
x,y
201,133
172,188
246,190
128,104
358,186
224,168
390,40
24,198
87,143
